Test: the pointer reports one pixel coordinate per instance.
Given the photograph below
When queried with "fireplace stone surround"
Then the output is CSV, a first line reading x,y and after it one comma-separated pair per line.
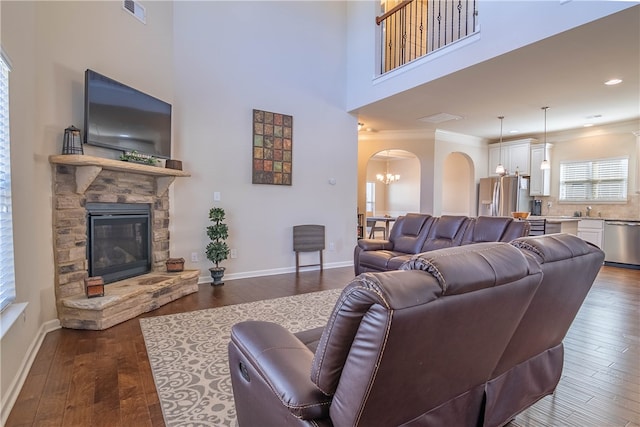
x,y
81,179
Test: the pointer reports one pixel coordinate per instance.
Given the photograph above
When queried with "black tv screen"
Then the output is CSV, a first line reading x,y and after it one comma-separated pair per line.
x,y
122,118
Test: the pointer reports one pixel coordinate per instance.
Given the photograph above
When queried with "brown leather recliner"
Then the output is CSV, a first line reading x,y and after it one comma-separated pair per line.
x,y
411,348
531,365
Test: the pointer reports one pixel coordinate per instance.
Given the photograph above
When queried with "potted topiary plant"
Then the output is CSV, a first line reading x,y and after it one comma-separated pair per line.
x,y
217,249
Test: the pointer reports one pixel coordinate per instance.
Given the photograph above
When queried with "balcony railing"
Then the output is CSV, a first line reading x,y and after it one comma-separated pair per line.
x,y
415,28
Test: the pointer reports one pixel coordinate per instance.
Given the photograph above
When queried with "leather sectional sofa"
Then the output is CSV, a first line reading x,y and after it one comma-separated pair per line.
x,y
416,233
462,336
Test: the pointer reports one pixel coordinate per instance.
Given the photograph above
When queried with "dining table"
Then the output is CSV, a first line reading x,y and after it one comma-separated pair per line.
x,y
387,222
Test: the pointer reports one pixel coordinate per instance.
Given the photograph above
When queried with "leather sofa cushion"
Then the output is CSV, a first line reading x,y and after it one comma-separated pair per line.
x,y
377,259
411,233
473,267
486,229
446,231
554,247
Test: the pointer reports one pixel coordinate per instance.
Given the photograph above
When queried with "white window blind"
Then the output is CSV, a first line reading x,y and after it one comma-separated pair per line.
x,y
7,278
370,205
602,180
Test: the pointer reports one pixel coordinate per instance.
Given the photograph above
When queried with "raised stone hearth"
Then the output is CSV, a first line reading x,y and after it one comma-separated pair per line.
x,y
80,179
126,299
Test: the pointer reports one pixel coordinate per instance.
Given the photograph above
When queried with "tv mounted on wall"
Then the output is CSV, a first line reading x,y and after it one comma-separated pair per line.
x,y
122,118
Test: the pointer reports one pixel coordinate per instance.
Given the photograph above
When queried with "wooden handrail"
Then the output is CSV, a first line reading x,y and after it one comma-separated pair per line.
x,y
391,11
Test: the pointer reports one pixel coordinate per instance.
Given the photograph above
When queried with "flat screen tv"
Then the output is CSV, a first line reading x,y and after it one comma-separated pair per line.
x,y
122,118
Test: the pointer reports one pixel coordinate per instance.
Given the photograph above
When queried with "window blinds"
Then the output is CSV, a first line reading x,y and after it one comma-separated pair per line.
x,y
594,180
7,278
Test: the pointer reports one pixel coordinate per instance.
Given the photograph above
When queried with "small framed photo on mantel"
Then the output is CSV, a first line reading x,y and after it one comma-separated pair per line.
x,y
272,148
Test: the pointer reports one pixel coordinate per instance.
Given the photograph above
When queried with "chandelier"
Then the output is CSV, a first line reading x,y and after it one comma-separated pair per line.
x,y
387,178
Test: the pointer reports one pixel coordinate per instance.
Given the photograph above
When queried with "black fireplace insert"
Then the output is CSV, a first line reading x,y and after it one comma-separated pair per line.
x,y
118,240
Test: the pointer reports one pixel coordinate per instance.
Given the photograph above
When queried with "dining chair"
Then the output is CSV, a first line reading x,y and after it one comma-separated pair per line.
x,y
371,224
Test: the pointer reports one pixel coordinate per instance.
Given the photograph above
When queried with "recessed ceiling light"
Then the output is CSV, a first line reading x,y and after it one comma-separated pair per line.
x,y
613,82
588,125
514,131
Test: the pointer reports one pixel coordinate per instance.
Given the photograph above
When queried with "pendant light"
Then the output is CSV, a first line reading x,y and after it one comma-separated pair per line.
x,y
500,168
388,178
545,163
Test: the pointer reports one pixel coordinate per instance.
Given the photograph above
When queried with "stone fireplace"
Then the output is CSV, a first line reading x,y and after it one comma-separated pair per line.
x,y
111,219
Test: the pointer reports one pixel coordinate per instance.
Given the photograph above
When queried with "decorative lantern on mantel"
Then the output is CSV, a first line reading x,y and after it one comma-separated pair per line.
x,y
72,143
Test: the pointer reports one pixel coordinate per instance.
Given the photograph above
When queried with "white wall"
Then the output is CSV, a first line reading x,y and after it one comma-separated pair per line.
x,y
50,45
284,57
457,185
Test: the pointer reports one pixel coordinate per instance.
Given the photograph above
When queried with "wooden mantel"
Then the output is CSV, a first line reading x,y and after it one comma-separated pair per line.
x,y
88,168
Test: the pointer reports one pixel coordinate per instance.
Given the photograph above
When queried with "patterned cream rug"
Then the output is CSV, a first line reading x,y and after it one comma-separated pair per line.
x,y
188,353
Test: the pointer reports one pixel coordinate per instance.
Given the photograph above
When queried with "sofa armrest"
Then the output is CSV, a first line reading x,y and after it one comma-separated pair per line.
x,y
281,361
375,245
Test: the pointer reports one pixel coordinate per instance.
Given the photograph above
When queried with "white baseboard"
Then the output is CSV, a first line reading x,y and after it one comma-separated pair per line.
x,y
18,381
273,272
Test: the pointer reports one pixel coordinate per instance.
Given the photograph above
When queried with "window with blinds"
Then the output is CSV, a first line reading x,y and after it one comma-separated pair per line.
x,y
603,180
7,279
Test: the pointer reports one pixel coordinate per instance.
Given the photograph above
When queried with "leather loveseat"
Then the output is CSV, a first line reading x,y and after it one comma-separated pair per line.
x,y
423,346
416,233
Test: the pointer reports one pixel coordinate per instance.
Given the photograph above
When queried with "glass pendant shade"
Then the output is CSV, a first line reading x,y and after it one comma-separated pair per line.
x,y
500,169
545,165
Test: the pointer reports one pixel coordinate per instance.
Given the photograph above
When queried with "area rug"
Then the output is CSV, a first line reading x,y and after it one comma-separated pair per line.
x,y
188,353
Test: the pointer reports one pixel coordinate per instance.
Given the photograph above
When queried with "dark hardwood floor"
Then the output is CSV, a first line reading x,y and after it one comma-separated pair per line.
x,y
103,378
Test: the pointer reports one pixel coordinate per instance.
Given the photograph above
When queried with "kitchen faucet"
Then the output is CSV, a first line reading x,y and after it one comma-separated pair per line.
x,y
588,211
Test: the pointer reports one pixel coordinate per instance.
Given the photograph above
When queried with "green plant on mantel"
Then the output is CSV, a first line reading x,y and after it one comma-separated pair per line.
x,y
135,157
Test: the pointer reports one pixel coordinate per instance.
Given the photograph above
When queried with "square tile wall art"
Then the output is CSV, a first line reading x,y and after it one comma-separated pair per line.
x,y
272,148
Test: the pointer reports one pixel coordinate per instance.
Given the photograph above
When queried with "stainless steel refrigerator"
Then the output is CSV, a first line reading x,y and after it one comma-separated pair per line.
x,y
499,196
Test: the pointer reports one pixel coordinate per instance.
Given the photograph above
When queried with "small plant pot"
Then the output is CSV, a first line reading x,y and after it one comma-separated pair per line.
x,y
216,274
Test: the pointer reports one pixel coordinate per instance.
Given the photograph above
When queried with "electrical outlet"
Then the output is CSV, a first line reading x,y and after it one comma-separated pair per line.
x,y
194,256
216,196
332,246
233,253
548,204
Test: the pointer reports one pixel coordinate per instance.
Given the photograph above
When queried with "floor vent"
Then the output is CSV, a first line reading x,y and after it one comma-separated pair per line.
x,y
136,9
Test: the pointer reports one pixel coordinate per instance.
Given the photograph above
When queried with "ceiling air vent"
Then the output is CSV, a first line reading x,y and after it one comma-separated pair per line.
x,y
136,9
440,117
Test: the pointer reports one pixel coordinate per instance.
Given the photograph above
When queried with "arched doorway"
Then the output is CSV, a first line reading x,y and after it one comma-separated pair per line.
x,y
458,192
395,196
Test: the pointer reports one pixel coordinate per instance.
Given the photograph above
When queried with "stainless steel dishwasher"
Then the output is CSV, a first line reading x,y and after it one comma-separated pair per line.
x,y
622,242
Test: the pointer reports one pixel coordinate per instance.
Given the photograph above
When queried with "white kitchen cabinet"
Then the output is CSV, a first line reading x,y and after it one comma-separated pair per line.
x,y
518,158
591,230
540,180
515,156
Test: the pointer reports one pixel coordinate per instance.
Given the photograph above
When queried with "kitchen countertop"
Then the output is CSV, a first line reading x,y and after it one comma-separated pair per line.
x,y
558,219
